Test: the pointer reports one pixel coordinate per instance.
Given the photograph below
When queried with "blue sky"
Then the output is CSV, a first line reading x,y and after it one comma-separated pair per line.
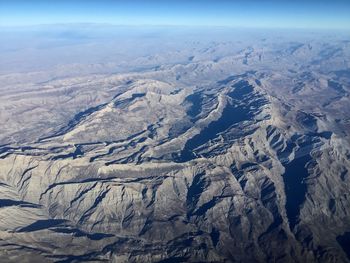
x,y
237,13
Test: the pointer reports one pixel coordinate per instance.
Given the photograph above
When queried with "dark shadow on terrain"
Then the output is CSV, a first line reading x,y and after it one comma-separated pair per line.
x,y
196,101
9,202
42,224
295,187
84,114
79,233
344,242
78,152
231,114
74,121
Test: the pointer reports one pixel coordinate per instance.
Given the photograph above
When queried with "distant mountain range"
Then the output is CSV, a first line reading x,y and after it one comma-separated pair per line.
x,y
229,148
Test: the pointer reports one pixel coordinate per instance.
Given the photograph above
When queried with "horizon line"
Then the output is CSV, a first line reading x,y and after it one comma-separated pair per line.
x,y
16,26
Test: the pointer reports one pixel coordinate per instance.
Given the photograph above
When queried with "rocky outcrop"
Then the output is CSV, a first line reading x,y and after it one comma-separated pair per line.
x,y
231,169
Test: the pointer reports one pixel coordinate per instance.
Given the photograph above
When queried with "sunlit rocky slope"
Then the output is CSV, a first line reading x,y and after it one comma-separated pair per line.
x,y
237,153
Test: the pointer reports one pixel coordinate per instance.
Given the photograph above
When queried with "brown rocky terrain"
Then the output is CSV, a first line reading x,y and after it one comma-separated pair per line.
x,y
237,153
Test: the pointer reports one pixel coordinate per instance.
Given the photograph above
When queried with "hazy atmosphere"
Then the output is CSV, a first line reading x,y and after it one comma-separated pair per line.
x,y
237,13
